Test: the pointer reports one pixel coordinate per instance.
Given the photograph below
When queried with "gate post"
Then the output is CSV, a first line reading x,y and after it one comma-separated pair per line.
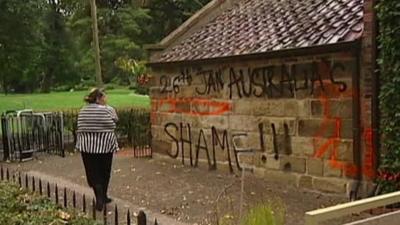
x,y
6,150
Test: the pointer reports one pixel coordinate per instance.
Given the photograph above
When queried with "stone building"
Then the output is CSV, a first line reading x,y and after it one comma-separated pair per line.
x,y
285,87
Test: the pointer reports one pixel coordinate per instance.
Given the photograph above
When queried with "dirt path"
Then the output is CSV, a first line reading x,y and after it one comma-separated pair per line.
x,y
166,189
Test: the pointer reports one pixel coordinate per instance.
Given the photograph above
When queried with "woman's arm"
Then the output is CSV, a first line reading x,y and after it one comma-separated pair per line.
x,y
113,113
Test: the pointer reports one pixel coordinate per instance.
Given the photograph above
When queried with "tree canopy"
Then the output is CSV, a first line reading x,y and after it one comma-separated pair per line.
x,y
47,45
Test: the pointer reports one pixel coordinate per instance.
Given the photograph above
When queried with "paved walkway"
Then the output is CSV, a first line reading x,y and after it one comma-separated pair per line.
x,y
177,194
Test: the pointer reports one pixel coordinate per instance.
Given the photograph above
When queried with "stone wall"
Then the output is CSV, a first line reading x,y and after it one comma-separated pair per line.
x,y
294,115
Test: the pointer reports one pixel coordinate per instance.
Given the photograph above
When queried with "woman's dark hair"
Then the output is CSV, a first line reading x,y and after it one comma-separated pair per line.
x,y
94,95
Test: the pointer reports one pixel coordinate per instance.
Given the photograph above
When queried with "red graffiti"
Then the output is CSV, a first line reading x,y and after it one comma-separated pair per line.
x,y
332,143
193,106
189,106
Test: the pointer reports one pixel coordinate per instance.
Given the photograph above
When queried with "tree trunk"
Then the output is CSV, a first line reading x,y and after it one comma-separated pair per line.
x,y
96,46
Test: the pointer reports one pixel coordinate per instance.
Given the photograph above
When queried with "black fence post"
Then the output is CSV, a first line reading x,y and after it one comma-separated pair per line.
x,y
7,174
56,194
84,203
65,198
155,222
48,190
93,209
74,200
115,215
19,179
141,218
1,173
128,218
33,184
105,214
40,187
26,181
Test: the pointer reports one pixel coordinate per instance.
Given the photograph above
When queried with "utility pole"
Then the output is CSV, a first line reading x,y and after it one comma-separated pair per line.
x,y
99,79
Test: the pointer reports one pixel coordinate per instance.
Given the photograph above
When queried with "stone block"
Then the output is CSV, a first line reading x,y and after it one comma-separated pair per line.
x,y
306,182
293,164
317,127
243,123
346,130
243,107
315,167
269,108
345,151
272,163
182,107
324,147
291,108
269,144
331,185
170,118
304,108
330,171
332,108
285,126
283,144
161,147
187,91
199,109
260,159
281,177
219,122
248,140
302,146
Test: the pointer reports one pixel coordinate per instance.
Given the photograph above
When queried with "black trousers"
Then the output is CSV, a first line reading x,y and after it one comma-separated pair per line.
x,y
98,171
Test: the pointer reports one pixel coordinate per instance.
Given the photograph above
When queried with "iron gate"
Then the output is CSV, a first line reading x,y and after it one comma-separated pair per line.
x,y
26,132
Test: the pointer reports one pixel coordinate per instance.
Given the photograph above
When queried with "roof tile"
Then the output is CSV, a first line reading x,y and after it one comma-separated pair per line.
x,y
257,26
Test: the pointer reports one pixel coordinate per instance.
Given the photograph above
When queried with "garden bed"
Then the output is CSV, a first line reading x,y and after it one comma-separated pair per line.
x,y
18,206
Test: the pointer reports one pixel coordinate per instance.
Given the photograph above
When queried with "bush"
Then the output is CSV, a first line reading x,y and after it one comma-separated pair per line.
x,y
110,86
389,61
142,90
18,206
63,88
262,214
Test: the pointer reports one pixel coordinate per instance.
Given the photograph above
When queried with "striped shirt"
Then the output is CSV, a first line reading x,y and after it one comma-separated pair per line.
x,y
95,133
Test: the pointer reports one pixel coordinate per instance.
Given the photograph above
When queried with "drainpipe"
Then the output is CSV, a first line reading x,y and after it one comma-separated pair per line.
x,y
356,126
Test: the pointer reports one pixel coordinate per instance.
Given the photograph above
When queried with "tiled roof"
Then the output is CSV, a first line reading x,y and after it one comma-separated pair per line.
x,y
258,26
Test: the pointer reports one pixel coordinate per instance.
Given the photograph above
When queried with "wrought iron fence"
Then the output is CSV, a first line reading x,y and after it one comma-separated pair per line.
x,y
133,129
67,198
26,132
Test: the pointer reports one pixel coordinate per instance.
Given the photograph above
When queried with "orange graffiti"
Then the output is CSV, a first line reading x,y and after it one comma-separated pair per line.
x,y
196,106
332,141
349,169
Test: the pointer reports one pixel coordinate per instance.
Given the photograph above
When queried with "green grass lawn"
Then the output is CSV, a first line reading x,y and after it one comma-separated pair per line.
x,y
118,98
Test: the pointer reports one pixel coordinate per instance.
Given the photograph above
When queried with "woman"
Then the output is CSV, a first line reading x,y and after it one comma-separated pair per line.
x,y
97,142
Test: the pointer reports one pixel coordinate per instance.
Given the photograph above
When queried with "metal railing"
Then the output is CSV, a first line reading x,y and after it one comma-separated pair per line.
x,y
26,132
67,198
320,215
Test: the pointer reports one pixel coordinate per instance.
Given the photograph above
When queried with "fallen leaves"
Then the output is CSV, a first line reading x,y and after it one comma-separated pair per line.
x,y
64,215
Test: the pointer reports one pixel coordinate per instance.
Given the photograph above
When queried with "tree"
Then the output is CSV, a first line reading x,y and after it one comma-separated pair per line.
x,y
59,49
96,46
167,15
21,44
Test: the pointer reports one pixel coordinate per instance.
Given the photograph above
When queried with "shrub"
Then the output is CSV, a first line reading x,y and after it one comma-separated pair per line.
x,y
261,214
389,61
18,206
